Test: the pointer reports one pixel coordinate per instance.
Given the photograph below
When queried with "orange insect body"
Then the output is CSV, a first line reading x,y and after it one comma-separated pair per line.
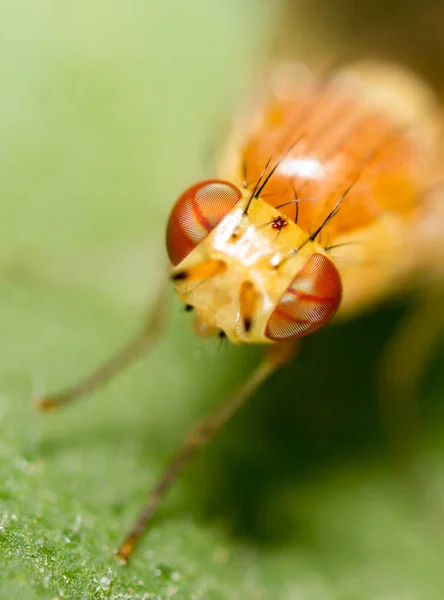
x,y
322,207
323,189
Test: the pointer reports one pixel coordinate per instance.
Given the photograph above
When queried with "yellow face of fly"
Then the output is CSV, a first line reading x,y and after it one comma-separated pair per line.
x,y
241,271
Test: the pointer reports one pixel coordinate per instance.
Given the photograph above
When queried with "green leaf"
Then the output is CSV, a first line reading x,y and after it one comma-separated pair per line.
x,y
107,113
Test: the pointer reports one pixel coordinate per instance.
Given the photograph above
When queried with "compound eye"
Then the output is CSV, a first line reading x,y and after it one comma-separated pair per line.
x,y
196,213
309,302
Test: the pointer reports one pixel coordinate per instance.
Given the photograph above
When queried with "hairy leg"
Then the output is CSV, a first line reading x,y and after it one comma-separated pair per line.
x,y
277,355
402,366
132,350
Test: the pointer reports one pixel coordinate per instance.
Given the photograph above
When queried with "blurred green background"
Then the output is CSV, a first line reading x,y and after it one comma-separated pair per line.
x,y
107,111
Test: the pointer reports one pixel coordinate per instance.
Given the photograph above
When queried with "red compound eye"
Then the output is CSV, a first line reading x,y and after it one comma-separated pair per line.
x,y
309,302
196,213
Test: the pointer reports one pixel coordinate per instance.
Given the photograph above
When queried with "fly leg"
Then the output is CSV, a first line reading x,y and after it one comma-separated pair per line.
x,y
132,350
403,364
277,355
